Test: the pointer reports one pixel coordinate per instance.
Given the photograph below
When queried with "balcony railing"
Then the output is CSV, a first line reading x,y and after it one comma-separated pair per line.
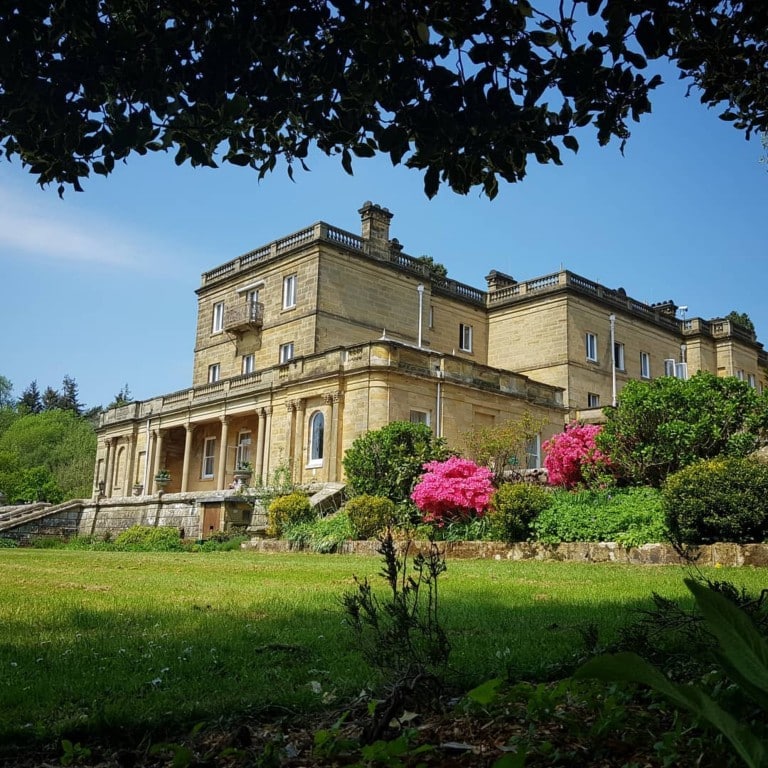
x,y
244,317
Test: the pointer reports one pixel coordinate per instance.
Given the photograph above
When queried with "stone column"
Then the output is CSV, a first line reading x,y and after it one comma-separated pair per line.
x,y
108,468
258,467
130,469
299,447
157,463
328,438
267,443
335,438
290,406
190,428
223,453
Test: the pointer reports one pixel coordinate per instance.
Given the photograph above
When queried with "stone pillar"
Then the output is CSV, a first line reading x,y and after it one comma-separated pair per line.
x,y
267,442
158,461
258,467
335,438
223,453
108,468
130,469
328,439
299,447
190,428
290,407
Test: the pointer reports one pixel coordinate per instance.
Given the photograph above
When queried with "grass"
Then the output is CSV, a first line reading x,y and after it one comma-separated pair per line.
x,y
127,643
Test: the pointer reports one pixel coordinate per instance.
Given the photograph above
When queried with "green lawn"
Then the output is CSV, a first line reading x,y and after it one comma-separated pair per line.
x,y
95,641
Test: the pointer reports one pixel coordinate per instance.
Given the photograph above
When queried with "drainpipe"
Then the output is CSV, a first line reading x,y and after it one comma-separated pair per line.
x,y
612,318
420,289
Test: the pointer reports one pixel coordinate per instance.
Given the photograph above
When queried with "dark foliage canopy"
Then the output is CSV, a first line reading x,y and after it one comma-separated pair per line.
x,y
466,92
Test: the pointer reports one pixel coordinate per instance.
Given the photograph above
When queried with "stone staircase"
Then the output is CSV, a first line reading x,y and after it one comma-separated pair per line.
x,y
13,517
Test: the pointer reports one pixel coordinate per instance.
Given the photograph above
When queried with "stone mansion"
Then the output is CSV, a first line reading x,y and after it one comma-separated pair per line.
x,y
308,342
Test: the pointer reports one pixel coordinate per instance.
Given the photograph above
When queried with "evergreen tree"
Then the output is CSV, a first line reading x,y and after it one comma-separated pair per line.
x,y
123,397
30,402
51,399
68,399
6,392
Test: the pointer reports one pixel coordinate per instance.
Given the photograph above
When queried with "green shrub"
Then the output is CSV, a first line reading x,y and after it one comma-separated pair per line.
x,y
288,510
630,516
8,543
222,542
370,514
388,461
514,506
47,542
722,499
145,538
324,534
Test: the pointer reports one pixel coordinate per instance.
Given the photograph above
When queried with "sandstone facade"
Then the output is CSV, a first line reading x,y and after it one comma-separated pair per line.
x,y
306,343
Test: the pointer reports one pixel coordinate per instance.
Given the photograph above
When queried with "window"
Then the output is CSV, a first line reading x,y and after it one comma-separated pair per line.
x,y
593,400
740,375
209,454
465,337
243,453
289,291
252,297
752,381
214,373
533,453
591,347
669,366
249,362
431,316
286,352
419,417
645,365
316,434
681,370
218,317
618,355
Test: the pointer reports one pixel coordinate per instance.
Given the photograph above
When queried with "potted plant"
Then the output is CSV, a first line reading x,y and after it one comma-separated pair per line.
x,y
138,488
162,478
243,473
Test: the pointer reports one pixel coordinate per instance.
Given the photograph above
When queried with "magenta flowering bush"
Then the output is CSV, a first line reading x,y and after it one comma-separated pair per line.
x,y
573,457
453,489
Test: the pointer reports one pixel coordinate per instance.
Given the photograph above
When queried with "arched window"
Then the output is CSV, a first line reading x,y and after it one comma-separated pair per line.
x,y
316,434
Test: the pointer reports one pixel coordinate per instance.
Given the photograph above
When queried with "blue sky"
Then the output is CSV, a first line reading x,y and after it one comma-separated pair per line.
x,y
100,285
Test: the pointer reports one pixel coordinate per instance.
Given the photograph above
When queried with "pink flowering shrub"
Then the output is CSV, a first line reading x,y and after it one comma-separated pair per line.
x,y
453,489
572,456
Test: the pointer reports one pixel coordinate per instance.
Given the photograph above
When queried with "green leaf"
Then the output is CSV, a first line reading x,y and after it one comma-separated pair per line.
x,y
511,760
629,667
743,650
571,143
431,182
486,692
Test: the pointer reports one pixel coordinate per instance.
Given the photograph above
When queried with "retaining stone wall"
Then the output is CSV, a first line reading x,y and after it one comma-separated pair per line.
x,y
715,555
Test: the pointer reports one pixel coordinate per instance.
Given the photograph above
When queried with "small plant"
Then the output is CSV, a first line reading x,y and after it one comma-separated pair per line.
x,y
288,510
452,490
323,534
401,636
144,538
73,754
163,475
629,516
244,466
370,515
514,506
